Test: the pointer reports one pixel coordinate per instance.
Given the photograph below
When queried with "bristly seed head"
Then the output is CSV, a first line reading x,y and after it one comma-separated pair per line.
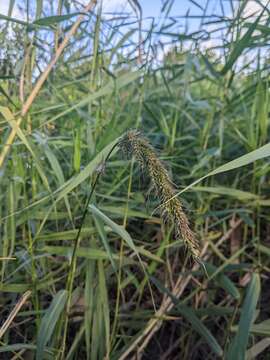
x,y
134,144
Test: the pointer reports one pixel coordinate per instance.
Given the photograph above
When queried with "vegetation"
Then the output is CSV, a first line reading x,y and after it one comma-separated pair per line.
x,y
134,172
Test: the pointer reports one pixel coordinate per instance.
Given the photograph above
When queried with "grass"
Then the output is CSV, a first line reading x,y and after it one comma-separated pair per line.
x,y
89,270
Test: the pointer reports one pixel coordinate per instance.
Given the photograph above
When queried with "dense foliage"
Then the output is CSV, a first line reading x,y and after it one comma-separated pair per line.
x,y
89,268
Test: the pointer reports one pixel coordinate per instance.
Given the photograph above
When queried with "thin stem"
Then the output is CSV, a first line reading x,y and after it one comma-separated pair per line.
x,y
73,263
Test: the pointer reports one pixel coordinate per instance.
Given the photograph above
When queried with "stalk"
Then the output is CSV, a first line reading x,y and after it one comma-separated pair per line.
x,y
73,263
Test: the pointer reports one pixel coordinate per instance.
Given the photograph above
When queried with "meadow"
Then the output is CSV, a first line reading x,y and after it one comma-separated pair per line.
x,y
134,181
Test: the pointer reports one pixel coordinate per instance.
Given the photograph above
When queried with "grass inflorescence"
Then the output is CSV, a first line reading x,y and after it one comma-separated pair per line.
x,y
134,143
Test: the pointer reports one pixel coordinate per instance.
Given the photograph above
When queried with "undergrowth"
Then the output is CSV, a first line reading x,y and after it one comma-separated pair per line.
x,y
99,247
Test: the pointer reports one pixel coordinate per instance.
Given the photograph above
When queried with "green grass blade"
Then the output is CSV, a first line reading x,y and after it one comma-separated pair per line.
x,y
238,346
51,20
222,280
260,153
11,19
84,252
261,329
190,316
10,119
240,46
115,227
103,236
222,190
49,321
77,151
19,347
85,173
107,89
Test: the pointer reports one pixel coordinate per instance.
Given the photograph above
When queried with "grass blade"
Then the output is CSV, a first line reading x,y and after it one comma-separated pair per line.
x,y
223,281
237,348
49,321
260,153
190,316
115,227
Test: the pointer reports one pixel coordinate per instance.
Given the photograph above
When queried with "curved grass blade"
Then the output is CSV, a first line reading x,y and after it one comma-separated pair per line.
x,y
223,281
241,45
11,121
227,191
115,227
72,183
49,321
238,346
190,316
19,347
51,20
261,329
85,252
260,153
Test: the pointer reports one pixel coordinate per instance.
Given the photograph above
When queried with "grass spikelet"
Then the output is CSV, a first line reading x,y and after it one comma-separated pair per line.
x,y
133,143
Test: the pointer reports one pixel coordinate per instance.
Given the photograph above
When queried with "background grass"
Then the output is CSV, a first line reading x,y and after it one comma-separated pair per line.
x,y
129,289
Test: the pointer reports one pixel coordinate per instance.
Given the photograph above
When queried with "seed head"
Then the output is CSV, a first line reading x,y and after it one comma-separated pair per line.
x,y
133,143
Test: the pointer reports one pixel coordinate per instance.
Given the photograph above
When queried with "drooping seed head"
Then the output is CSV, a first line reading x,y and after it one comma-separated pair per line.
x,y
133,143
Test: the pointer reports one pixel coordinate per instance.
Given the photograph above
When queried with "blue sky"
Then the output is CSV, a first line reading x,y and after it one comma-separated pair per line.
x,y
150,7
180,7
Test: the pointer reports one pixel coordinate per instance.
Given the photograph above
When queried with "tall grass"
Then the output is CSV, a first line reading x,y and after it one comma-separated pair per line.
x,y
108,279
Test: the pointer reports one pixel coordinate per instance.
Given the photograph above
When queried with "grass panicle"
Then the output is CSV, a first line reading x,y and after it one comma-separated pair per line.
x,y
133,143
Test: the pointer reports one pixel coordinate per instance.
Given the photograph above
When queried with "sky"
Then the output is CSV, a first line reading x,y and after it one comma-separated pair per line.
x,y
151,8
